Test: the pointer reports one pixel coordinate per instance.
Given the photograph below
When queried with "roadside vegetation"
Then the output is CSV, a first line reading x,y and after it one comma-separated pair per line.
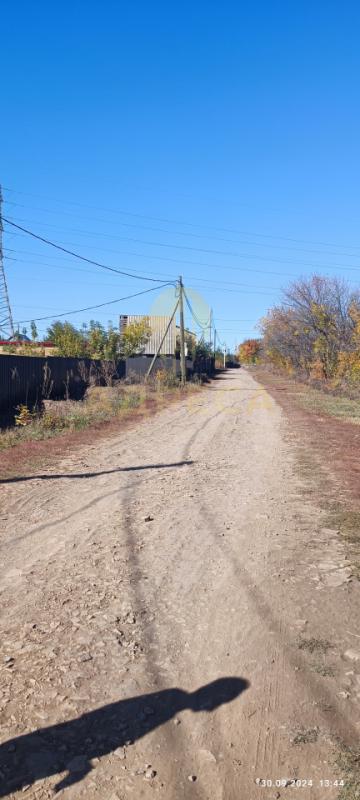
x,y
89,341
107,398
101,404
335,405
313,338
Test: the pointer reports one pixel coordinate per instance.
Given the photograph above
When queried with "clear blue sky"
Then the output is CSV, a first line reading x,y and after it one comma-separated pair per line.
x,y
216,140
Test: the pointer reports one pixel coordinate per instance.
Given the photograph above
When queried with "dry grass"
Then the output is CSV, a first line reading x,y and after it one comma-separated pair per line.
x,y
340,407
100,405
347,522
314,645
348,762
306,736
324,670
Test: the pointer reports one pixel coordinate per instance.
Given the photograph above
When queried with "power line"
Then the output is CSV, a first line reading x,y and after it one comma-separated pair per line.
x,y
91,308
57,266
126,239
250,256
203,326
173,233
76,255
337,267
191,278
182,246
179,222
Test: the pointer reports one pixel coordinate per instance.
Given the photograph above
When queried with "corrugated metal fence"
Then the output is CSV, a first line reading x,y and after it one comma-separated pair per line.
x,y
30,379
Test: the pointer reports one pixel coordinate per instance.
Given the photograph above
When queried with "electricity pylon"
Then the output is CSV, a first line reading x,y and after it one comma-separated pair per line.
x,y
6,320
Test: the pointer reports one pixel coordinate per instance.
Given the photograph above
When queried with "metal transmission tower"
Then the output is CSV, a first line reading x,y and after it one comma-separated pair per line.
x,y
6,320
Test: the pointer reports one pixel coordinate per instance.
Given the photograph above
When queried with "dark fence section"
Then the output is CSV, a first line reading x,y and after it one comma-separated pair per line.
x,y
204,365
137,367
31,379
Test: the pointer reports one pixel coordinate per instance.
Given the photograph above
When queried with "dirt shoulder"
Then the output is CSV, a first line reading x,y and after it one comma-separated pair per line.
x,y
333,441
23,457
328,451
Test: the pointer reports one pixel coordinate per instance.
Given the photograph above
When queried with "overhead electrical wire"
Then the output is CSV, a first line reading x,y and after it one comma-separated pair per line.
x,y
77,255
187,277
178,222
173,233
66,267
251,256
91,308
124,238
220,266
202,325
197,281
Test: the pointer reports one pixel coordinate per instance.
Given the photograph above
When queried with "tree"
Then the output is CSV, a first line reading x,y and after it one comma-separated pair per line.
x,y
190,344
34,333
249,351
112,344
203,349
135,337
314,329
96,337
68,340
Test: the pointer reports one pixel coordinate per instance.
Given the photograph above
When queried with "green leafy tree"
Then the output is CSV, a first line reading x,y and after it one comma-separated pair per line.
x,y
68,340
112,345
190,342
135,337
96,337
103,344
203,349
34,332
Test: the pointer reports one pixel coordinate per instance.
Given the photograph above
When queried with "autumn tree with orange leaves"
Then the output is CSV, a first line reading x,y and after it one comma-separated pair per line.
x,y
249,351
315,332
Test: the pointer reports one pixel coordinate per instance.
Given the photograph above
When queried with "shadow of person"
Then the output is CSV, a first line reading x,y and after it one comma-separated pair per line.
x,y
70,746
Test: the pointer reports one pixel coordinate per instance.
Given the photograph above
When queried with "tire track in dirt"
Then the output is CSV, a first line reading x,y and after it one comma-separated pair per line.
x,y
202,578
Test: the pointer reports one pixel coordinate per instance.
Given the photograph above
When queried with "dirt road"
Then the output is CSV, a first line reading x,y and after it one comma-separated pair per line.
x,y
177,621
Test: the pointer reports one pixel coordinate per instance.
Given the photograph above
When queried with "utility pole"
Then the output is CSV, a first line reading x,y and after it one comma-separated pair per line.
x,y
161,343
224,357
214,342
210,327
182,332
6,320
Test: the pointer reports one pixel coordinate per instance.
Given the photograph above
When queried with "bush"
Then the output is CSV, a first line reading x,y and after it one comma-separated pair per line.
x,y
24,416
165,379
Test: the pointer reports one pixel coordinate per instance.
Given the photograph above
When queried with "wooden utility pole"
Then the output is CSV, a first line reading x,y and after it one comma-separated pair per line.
x,y
182,332
161,343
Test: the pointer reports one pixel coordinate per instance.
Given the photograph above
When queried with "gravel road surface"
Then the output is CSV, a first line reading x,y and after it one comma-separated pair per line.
x,y
176,618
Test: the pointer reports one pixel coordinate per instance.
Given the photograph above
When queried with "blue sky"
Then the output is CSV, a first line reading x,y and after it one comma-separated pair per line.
x,y
216,140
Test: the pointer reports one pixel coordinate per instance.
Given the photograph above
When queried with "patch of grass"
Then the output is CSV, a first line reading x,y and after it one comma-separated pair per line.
x,y
336,406
323,670
314,645
347,522
348,762
101,405
306,736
